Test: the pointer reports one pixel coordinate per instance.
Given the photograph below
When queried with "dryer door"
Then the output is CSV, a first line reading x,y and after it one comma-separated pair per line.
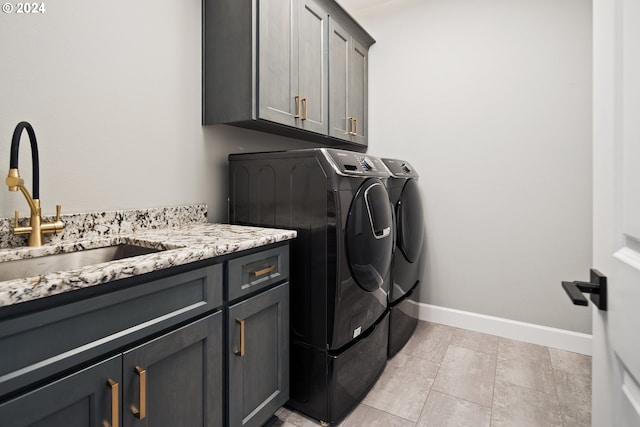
x,y
410,221
368,235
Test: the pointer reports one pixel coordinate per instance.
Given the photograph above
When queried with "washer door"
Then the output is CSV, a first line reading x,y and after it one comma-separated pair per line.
x,y
368,235
410,221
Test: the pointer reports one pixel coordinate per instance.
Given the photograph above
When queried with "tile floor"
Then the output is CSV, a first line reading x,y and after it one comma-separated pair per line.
x,y
446,376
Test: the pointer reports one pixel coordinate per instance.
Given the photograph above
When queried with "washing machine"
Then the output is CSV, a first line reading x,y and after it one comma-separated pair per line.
x,y
407,264
340,262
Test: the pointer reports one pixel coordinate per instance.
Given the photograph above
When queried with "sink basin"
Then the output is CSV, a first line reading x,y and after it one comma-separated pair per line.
x,y
29,267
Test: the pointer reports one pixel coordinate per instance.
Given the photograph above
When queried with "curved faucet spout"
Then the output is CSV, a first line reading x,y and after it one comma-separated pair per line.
x,y
36,228
15,145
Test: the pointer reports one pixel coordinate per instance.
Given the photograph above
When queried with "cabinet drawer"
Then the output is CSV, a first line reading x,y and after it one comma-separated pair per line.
x,y
257,271
38,345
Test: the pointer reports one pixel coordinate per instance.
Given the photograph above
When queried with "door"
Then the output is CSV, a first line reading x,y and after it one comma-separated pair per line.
x,y
339,77
616,212
368,235
358,111
277,61
258,353
313,68
89,397
176,379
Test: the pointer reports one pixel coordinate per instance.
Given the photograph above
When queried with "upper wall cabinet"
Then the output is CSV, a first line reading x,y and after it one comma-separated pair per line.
x,y
266,67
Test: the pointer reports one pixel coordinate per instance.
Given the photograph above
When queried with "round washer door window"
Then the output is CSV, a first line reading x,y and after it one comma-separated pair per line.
x,y
410,221
368,235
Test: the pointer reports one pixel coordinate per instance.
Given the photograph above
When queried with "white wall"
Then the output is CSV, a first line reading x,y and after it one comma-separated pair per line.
x,y
491,102
489,99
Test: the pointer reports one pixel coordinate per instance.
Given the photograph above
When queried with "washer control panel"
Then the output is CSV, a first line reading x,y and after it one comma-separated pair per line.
x,y
350,163
400,168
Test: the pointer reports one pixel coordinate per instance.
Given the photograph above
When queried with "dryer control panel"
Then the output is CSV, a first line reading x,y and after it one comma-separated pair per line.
x,y
400,168
350,163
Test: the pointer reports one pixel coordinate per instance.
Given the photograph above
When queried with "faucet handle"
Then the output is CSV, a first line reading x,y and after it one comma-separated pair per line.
x,y
58,210
16,223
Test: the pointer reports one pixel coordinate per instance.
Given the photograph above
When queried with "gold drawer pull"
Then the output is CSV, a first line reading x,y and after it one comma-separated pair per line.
x,y
115,397
241,351
142,412
264,271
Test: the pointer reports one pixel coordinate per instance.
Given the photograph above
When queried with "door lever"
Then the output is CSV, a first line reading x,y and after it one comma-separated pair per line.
x,y
597,287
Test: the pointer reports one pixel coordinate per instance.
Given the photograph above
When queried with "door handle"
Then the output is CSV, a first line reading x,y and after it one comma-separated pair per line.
x,y
305,109
297,100
597,287
142,412
115,397
240,352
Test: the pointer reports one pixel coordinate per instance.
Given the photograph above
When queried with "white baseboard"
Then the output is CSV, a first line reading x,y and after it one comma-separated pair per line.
x,y
542,335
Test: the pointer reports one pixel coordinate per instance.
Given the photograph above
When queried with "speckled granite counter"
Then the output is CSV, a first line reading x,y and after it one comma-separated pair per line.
x,y
181,243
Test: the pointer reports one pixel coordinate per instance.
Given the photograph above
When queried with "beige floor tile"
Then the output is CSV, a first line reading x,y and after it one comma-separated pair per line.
x,y
573,363
403,387
531,373
477,341
429,341
442,410
367,416
516,350
574,394
467,374
522,407
292,418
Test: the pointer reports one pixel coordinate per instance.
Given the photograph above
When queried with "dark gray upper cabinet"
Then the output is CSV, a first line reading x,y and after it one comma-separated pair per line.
x,y
349,94
266,67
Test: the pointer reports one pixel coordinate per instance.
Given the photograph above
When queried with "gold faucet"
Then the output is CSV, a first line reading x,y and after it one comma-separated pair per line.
x,y
36,229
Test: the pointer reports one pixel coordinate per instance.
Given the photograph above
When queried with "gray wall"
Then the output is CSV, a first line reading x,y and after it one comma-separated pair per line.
x,y
490,100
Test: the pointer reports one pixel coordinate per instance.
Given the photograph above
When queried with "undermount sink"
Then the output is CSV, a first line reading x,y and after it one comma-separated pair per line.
x,y
30,267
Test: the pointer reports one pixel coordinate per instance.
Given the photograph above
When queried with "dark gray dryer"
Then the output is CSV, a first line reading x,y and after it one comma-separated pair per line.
x,y
406,267
337,202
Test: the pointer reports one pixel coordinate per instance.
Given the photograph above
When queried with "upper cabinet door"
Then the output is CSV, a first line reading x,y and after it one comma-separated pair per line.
x,y
349,86
358,91
277,61
313,66
339,76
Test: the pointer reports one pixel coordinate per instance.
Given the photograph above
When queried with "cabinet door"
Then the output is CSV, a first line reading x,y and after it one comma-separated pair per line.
x,y
313,67
348,77
258,345
85,398
176,379
339,77
277,61
357,90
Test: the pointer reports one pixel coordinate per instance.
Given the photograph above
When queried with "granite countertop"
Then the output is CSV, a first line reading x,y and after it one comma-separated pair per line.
x,y
180,245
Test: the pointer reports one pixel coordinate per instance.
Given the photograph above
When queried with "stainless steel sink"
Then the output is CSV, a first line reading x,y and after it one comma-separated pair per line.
x,y
29,267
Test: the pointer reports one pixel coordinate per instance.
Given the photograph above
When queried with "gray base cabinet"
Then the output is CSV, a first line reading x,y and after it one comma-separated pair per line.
x,y
266,67
205,347
258,357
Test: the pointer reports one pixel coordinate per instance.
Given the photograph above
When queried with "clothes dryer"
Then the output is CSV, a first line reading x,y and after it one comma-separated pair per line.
x,y
406,267
337,202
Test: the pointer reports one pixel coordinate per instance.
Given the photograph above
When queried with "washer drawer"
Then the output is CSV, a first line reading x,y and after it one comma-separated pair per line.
x,y
257,271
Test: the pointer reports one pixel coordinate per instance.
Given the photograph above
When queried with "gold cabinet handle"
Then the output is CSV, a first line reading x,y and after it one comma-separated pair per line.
x,y
305,109
355,126
349,125
142,412
241,351
297,99
264,271
115,397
